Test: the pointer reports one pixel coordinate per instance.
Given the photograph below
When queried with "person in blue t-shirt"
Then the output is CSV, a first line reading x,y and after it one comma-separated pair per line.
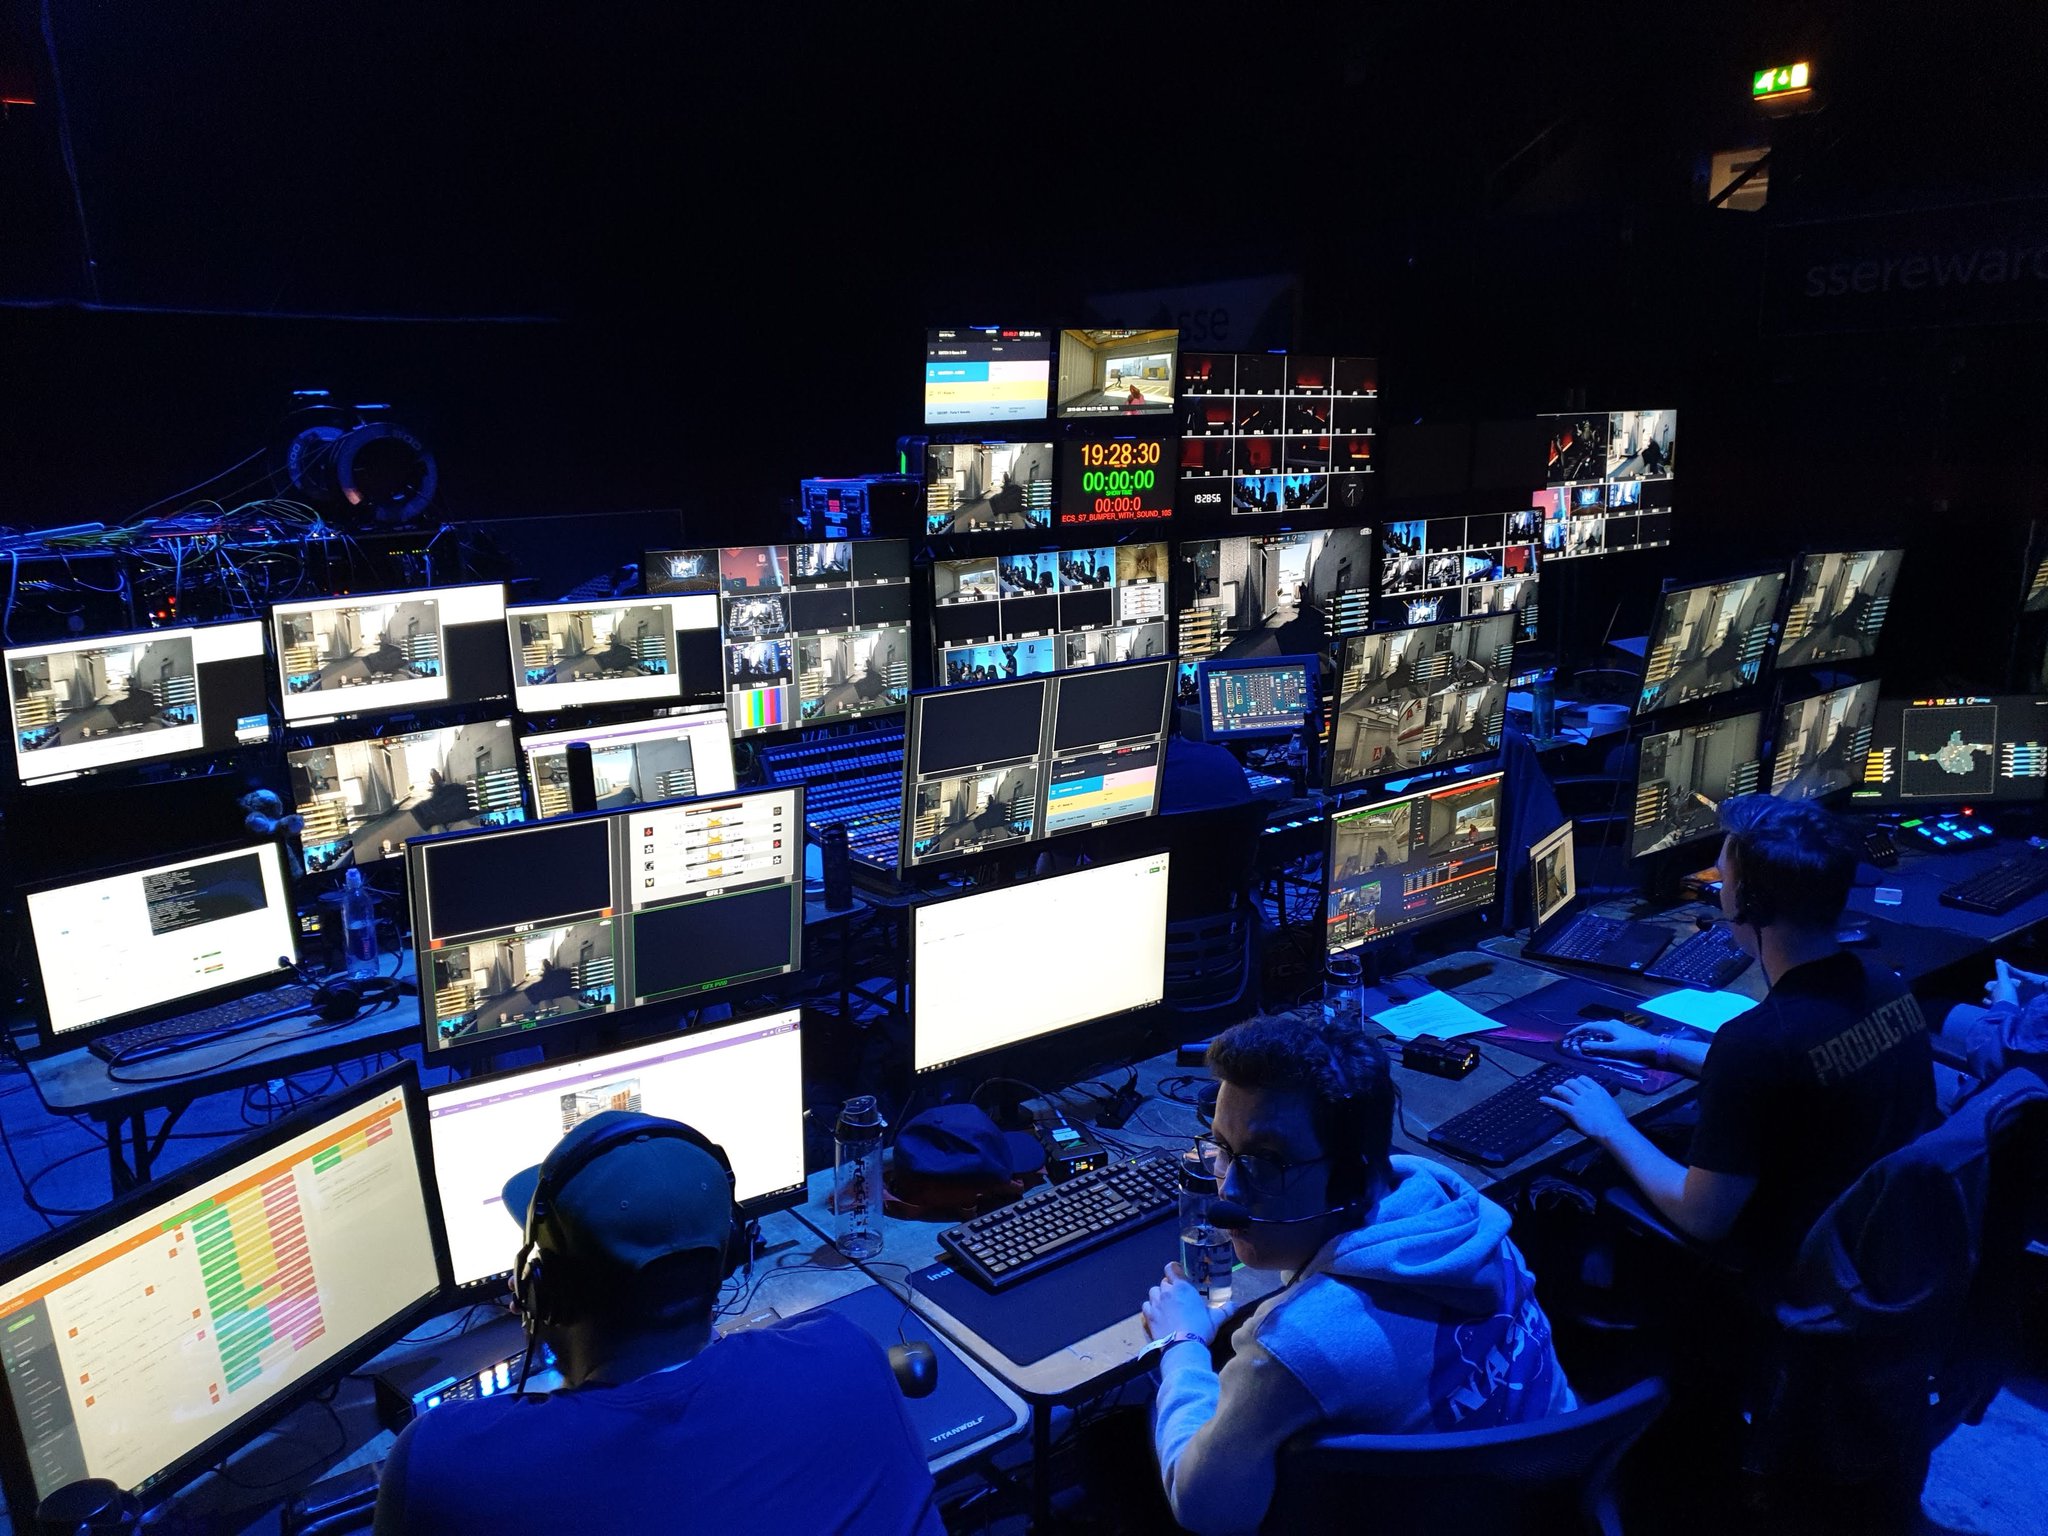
x,y
664,1426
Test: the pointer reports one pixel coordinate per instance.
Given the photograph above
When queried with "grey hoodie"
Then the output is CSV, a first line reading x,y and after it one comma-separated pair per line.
x,y
1425,1318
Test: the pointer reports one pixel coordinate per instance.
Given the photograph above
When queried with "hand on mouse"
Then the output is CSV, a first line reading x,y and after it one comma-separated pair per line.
x,y
1175,1306
1611,1037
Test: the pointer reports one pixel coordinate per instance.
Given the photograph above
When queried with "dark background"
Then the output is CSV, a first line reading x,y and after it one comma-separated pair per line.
x,y
627,256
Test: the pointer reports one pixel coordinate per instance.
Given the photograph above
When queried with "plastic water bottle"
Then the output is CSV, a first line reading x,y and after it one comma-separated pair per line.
x,y
1206,1256
359,925
857,1178
1344,991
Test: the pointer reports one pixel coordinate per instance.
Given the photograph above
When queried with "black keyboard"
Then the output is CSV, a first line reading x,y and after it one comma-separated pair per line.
x,y
1710,958
1584,938
1044,1230
2000,888
1507,1123
189,1029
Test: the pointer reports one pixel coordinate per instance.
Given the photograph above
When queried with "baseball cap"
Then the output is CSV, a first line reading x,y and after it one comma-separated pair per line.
x,y
953,1155
640,1201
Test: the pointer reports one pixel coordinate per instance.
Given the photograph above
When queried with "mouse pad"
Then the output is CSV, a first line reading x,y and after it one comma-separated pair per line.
x,y
960,1409
1048,1312
1534,1023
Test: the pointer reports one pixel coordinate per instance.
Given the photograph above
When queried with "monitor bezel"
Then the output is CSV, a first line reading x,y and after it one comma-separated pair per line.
x,y
1209,665
15,1476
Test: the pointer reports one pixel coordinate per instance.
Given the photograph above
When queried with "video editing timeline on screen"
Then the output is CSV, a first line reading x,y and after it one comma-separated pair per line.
x,y
1839,603
986,373
812,633
1008,616
381,654
1822,742
83,706
1006,763
1425,697
1274,433
1242,700
1273,594
1930,751
636,762
557,920
1607,486
1123,479
136,1342
1709,640
1116,373
741,1084
1682,777
1459,567
987,487
1413,859
362,799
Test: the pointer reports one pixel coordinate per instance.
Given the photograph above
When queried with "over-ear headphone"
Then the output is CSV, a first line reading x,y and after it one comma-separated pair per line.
x,y
342,998
542,1300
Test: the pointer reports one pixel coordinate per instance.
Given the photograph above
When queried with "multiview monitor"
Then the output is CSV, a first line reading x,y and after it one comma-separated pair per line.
x,y
114,701
390,652
635,762
1823,742
1608,446
1682,777
1945,751
986,373
612,650
361,800
1839,602
998,617
1274,433
1270,594
1441,568
1709,640
1116,373
1096,942
571,919
741,1084
1426,697
1407,861
987,487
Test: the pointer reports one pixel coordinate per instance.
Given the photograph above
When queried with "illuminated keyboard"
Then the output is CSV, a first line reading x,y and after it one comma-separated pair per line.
x,y
190,1029
1049,1227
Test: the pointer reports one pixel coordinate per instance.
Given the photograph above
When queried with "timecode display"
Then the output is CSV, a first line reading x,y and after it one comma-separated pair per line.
x,y
1117,480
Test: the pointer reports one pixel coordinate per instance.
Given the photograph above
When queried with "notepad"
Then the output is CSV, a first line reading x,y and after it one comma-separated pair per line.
x,y
1433,1013
1706,1011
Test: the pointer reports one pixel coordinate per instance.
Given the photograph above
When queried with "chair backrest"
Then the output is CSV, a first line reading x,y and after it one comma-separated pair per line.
x,y
1209,961
1544,1476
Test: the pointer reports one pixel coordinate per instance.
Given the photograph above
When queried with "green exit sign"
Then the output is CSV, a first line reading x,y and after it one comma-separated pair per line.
x,y
1782,81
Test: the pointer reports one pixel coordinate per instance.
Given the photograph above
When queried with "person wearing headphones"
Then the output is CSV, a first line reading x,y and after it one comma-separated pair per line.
x,y
1406,1307
1798,1096
630,1228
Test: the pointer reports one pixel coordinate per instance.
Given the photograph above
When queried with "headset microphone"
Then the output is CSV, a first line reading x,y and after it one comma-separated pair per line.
x,y
1232,1217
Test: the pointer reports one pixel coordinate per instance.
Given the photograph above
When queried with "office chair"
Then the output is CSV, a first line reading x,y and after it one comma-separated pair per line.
x,y
1212,909
1550,1476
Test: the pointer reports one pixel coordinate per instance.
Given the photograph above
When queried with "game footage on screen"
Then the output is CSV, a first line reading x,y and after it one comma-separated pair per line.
x,y
634,773
1709,640
1117,373
1411,860
1839,606
549,974
362,799
984,487
1822,742
974,811
351,647
1682,777
849,674
1423,697
1256,596
68,697
577,644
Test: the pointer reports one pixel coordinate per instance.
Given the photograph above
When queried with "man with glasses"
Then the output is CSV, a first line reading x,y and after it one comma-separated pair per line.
x,y
1406,1308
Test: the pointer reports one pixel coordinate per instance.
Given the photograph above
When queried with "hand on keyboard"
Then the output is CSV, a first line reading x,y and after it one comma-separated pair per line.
x,y
1587,1107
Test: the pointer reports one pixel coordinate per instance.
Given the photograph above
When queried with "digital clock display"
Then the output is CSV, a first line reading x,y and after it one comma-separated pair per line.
x,y
1117,480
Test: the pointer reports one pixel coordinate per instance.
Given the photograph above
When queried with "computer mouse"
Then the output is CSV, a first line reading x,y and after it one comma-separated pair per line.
x,y
1852,935
916,1367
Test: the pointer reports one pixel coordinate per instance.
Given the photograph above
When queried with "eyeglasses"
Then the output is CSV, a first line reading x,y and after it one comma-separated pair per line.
x,y
1262,1175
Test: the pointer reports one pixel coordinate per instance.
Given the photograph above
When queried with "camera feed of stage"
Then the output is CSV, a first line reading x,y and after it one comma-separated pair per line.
x,y
1116,373
1608,483
987,487
1418,698
1436,569
1709,640
1682,777
1412,860
361,800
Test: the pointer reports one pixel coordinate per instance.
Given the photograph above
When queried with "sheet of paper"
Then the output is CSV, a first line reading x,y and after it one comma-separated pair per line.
x,y
1433,1013
1706,1011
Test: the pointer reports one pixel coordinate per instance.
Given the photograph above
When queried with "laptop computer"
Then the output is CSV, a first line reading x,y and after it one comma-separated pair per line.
x,y
1568,930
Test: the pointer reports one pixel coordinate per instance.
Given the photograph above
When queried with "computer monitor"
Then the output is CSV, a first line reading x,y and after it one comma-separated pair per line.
x,y
1709,640
1114,480
609,650
113,701
1426,697
978,373
1930,752
362,799
1002,967
1247,700
148,1340
1406,861
636,762
2036,600
1823,742
1116,373
390,652
1553,875
1839,602
1270,594
741,1084
1108,745
1009,616
1273,434
156,938
1440,568
1682,777
987,487
565,921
